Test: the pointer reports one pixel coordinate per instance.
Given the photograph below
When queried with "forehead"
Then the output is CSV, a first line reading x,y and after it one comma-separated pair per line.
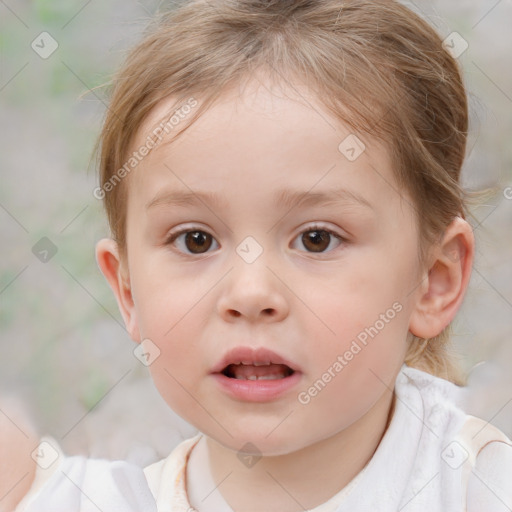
x,y
287,109
274,134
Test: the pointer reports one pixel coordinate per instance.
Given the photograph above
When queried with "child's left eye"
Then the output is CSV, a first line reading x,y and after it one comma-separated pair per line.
x,y
319,239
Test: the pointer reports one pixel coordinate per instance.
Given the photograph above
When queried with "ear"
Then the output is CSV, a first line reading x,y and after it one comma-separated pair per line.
x,y
107,257
443,287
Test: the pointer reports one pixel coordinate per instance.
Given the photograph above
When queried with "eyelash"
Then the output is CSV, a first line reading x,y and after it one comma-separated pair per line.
x,y
315,227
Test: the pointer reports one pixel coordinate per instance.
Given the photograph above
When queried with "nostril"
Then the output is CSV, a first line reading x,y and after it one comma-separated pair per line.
x,y
266,312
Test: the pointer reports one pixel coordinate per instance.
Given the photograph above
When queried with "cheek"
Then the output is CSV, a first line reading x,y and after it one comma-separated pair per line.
x,y
349,377
178,369
173,317
360,327
165,301
354,300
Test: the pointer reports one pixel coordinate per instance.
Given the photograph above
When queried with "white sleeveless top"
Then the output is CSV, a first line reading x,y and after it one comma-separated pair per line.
x,y
433,457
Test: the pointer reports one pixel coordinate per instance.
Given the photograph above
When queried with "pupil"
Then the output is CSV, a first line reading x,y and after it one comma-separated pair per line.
x,y
319,239
198,240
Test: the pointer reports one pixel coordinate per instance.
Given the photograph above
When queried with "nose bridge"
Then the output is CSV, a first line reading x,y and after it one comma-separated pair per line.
x,y
252,290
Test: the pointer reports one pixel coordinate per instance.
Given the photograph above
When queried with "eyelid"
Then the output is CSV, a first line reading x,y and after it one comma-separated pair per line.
x,y
185,229
322,227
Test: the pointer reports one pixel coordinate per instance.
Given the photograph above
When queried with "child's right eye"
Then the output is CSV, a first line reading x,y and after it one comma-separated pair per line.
x,y
195,240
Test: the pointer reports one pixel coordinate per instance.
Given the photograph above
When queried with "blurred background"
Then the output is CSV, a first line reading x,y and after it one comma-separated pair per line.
x,y
64,350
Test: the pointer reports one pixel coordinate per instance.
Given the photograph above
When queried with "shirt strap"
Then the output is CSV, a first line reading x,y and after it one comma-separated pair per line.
x,y
474,435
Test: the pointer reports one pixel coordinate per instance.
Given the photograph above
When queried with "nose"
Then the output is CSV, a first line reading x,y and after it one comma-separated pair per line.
x,y
253,292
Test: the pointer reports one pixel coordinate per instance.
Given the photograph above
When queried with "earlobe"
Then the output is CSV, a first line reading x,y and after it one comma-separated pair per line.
x,y
109,262
446,281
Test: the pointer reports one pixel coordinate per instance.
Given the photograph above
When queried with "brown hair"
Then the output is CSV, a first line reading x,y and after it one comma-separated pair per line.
x,y
375,64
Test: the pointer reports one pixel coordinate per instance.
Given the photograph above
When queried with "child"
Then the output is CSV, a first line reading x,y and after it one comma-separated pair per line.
x,y
289,247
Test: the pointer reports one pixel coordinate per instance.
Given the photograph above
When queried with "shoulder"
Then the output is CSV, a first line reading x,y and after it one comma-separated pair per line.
x,y
469,453
79,484
489,481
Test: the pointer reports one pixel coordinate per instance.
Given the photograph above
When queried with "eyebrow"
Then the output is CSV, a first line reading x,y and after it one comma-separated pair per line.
x,y
283,198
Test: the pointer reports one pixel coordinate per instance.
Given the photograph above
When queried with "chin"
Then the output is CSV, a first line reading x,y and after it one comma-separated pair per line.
x,y
258,442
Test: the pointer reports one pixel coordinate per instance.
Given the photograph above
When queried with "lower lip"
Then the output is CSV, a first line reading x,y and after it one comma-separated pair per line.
x,y
257,390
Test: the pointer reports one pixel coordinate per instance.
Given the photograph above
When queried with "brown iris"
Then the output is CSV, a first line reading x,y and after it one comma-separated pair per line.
x,y
316,240
198,240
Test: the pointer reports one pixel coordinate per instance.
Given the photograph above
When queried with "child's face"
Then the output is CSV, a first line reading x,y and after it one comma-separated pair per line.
x,y
306,297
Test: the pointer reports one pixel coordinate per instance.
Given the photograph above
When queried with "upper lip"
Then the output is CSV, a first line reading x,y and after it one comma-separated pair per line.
x,y
252,355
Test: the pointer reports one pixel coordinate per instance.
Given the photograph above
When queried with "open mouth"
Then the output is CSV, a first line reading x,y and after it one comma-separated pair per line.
x,y
249,374
257,371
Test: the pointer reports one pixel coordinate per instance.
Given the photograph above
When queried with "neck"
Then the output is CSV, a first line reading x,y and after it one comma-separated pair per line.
x,y
303,479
